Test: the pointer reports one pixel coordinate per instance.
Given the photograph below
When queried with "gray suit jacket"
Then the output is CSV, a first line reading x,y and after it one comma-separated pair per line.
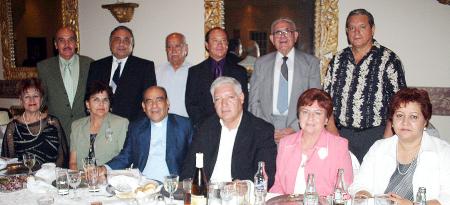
x,y
55,93
306,75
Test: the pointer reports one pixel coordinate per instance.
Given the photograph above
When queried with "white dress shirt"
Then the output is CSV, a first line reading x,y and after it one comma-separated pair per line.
x,y
222,168
174,81
114,66
276,79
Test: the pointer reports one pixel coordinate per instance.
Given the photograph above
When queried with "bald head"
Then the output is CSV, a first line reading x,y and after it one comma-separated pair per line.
x,y
176,49
66,42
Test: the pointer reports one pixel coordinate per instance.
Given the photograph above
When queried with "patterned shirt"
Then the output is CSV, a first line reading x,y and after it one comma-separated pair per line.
x,y
361,92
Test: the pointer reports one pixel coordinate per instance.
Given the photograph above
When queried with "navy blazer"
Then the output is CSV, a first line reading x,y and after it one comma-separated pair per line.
x,y
137,144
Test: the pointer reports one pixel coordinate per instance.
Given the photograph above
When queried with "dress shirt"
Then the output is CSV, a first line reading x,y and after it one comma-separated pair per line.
x,y
114,66
222,168
156,167
74,72
276,78
174,81
217,67
300,184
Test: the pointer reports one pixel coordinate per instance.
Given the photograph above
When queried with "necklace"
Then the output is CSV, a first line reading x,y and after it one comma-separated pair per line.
x,y
412,164
26,124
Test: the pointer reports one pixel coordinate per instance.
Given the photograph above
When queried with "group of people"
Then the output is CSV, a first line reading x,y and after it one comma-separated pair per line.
x,y
285,119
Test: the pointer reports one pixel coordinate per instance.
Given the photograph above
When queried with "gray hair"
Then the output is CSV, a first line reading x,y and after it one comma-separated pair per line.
x,y
283,19
226,80
183,39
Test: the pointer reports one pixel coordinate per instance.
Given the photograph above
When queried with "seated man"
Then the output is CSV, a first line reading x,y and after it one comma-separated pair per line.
x,y
156,144
232,140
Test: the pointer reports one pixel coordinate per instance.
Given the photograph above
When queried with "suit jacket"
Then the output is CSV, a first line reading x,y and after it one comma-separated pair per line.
x,y
254,142
137,75
137,144
105,149
198,99
323,166
55,93
306,75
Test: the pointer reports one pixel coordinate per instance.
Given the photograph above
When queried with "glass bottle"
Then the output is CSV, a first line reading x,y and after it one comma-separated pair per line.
x,y
421,198
310,197
199,190
260,181
341,196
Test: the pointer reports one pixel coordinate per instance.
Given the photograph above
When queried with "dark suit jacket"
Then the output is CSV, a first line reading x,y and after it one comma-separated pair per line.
x,y
137,144
254,142
55,93
198,99
137,75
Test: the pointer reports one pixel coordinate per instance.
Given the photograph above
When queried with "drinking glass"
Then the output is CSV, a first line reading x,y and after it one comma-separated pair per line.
x,y
228,194
74,177
214,193
187,186
360,201
28,160
171,185
62,181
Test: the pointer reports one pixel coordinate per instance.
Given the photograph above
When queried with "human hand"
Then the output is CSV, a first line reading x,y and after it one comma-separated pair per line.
x,y
363,194
280,133
398,200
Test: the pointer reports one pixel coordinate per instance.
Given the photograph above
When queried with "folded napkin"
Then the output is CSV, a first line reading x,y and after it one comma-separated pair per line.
x,y
47,173
38,186
124,183
5,161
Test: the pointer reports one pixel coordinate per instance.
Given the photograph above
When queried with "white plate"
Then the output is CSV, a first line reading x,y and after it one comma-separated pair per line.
x,y
125,186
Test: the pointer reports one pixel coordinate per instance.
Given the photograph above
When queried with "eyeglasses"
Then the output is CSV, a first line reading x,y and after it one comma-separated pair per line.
x,y
284,33
228,99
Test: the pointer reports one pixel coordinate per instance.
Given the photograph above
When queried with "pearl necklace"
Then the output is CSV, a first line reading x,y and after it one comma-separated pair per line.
x,y
26,124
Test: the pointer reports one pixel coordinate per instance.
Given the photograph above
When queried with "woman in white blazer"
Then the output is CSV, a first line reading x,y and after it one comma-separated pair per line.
x,y
399,165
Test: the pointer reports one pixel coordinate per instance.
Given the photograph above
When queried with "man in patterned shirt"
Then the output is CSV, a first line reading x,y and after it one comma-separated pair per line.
x,y
361,79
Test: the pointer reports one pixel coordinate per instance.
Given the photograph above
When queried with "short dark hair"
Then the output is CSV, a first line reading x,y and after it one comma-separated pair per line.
x,y
122,28
314,94
96,87
28,83
360,12
213,29
410,95
154,87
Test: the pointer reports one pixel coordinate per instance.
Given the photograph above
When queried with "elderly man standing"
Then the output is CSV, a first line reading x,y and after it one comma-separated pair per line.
x,y
202,75
233,140
156,144
172,75
280,77
128,75
64,78
361,79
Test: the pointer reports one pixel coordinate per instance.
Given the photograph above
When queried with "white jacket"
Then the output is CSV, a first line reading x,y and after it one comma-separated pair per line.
x,y
432,171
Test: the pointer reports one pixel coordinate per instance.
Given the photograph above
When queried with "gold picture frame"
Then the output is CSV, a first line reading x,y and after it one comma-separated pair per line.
x,y
325,27
69,10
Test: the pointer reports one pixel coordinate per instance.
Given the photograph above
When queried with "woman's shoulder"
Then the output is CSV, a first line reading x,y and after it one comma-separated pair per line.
x,y
118,119
80,121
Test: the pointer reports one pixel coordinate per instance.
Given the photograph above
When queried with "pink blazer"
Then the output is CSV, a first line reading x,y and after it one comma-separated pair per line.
x,y
323,164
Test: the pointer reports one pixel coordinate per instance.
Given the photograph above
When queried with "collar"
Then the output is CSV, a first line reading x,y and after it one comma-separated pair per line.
x,y
221,62
70,61
123,60
239,123
160,123
290,55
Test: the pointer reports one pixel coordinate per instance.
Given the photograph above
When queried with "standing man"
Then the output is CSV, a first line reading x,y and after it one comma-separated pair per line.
x,y
361,79
280,78
128,75
172,75
232,140
201,76
156,144
64,78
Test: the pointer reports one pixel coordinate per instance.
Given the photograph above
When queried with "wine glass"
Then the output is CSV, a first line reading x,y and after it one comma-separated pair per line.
x,y
29,160
74,177
171,185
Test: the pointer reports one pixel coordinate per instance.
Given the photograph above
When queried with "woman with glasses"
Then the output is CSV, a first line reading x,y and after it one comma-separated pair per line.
x,y
399,165
101,134
34,131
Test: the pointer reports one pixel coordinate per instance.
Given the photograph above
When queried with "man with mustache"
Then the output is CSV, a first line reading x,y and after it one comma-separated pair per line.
x,y
172,75
64,78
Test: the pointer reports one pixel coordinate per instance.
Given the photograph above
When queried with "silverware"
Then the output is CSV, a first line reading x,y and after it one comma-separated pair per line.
x,y
110,190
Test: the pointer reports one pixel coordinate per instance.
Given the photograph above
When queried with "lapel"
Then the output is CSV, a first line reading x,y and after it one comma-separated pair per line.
x,y
207,73
292,163
82,78
56,78
144,140
171,140
268,90
106,67
241,142
214,135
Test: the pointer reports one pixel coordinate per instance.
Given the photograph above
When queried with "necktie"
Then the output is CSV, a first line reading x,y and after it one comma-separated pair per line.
x,y
283,88
116,75
68,82
217,70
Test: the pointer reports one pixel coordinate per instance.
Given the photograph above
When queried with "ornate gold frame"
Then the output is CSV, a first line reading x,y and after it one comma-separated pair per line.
x,y
10,71
325,32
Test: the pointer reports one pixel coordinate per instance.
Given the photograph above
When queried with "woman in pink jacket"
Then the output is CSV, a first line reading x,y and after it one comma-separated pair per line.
x,y
312,149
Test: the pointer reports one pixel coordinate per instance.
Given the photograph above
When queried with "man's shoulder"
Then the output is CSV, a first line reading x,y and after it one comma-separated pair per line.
x,y
254,122
85,58
139,60
198,66
267,57
104,60
178,119
46,62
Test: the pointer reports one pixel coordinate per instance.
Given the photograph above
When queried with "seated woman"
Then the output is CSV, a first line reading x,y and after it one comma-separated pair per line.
x,y
399,165
312,149
101,134
35,132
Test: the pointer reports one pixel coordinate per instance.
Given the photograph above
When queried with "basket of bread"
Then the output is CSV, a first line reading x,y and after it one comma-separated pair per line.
x,y
130,187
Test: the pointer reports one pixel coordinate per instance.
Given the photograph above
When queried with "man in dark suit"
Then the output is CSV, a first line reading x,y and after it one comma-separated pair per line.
x,y
64,78
156,144
279,78
202,75
233,140
128,75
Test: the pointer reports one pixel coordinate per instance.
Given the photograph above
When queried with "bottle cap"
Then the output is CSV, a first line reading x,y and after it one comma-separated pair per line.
x,y
199,160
